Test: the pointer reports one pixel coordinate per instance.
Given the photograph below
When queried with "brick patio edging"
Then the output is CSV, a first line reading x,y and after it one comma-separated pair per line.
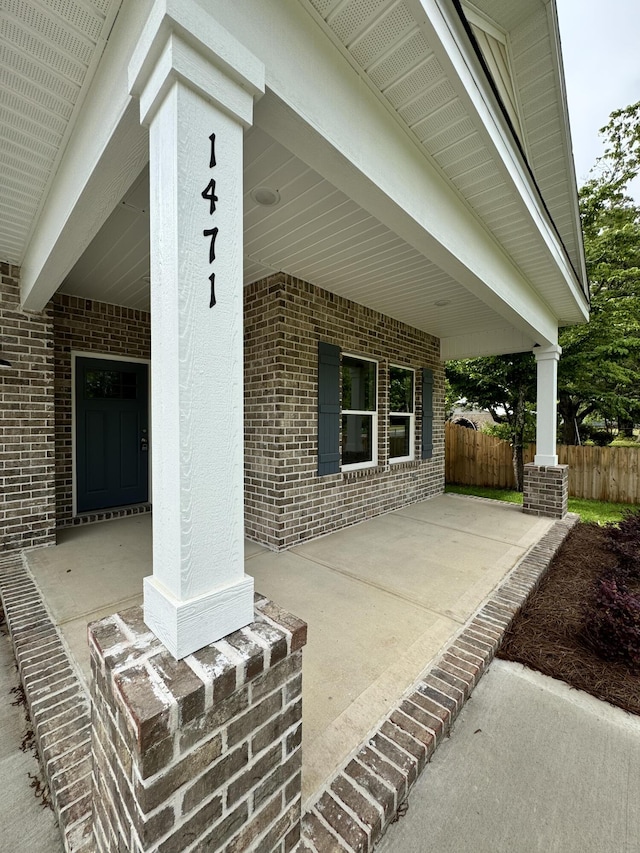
x,y
354,809
57,702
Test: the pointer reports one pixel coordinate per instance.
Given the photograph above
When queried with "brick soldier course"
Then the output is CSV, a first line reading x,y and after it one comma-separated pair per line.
x,y
354,809
206,753
56,699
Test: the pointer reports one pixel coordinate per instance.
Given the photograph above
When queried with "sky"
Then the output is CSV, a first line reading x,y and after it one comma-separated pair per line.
x,y
601,55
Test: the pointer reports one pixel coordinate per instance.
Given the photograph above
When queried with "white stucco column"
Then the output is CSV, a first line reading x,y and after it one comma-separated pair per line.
x,y
196,86
547,389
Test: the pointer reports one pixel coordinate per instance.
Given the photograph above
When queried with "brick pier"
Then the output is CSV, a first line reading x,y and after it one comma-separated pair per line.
x,y
546,490
204,751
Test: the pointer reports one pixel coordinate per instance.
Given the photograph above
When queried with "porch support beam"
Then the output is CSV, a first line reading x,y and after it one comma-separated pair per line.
x,y
475,344
547,400
105,153
196,87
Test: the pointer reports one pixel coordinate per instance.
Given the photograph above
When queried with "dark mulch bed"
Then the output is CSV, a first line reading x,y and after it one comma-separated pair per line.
x,y
548,634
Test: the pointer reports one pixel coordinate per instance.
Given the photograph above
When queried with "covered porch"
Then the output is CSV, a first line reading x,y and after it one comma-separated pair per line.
x,y
381,600
287,265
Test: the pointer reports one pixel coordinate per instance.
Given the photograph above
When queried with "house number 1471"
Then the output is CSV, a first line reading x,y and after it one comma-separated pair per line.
x,y
209,194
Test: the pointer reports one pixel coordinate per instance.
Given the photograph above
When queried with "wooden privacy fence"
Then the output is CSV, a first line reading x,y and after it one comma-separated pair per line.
x,y
597,473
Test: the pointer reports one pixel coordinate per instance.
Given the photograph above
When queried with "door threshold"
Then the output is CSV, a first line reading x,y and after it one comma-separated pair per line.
x,y
93,516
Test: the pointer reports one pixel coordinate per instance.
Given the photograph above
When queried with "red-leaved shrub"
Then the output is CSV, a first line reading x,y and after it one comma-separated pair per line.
x,y
612,625
623,539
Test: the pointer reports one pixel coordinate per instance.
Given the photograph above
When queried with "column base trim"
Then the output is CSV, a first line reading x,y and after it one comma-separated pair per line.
x,y
186,626
546,461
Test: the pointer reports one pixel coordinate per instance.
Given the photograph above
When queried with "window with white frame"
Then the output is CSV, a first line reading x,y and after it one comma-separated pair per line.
x,y
401,414
359,435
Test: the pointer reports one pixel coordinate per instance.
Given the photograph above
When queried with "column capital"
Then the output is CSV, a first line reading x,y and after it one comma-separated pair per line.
x,y
552,352
182,41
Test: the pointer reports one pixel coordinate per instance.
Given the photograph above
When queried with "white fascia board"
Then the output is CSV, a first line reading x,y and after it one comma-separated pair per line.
x,y
446,36
372,157
556,49
106,152
493,342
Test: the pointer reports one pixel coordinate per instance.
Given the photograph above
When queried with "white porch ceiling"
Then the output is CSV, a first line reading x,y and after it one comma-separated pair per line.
x,y
48,54
315,233
50,49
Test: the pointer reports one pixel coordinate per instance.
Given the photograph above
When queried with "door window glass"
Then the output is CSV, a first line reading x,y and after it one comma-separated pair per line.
x,y
110,384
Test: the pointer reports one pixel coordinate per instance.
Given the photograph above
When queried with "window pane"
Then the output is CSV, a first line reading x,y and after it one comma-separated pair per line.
x,y
129,383
399,436
110,384
357,443
102,383
358,384
400,390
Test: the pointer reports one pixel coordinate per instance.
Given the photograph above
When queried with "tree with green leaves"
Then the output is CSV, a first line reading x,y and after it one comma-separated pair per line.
x,y
599,372
505,385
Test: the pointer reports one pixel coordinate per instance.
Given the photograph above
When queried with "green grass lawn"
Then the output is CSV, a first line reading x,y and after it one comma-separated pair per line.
x,y
598,511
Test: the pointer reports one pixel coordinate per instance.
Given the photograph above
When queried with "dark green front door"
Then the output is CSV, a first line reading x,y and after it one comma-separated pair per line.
x,y
112,433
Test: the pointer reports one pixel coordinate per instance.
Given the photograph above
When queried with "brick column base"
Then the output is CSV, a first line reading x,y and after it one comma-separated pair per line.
x,y
546,490
200,754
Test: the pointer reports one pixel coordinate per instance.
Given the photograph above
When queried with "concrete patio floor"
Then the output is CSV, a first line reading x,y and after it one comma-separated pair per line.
x,y
381,599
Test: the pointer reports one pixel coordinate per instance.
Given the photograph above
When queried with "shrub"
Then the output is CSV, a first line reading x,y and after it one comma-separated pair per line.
x,y
612,625
600,437
623,539
505,432
593,434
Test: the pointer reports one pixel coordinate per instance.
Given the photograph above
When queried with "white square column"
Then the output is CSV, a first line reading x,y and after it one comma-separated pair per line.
x,y
547,404
196,87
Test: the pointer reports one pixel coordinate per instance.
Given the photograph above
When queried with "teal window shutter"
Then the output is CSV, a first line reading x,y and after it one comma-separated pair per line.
x,y
328,409
427,413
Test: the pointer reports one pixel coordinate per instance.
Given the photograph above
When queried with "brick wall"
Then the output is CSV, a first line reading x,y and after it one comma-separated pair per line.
x,y
285,501
102,329
27,515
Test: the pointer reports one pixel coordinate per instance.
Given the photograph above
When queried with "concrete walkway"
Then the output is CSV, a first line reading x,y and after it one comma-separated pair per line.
x,y
380,598
531,765
26,826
